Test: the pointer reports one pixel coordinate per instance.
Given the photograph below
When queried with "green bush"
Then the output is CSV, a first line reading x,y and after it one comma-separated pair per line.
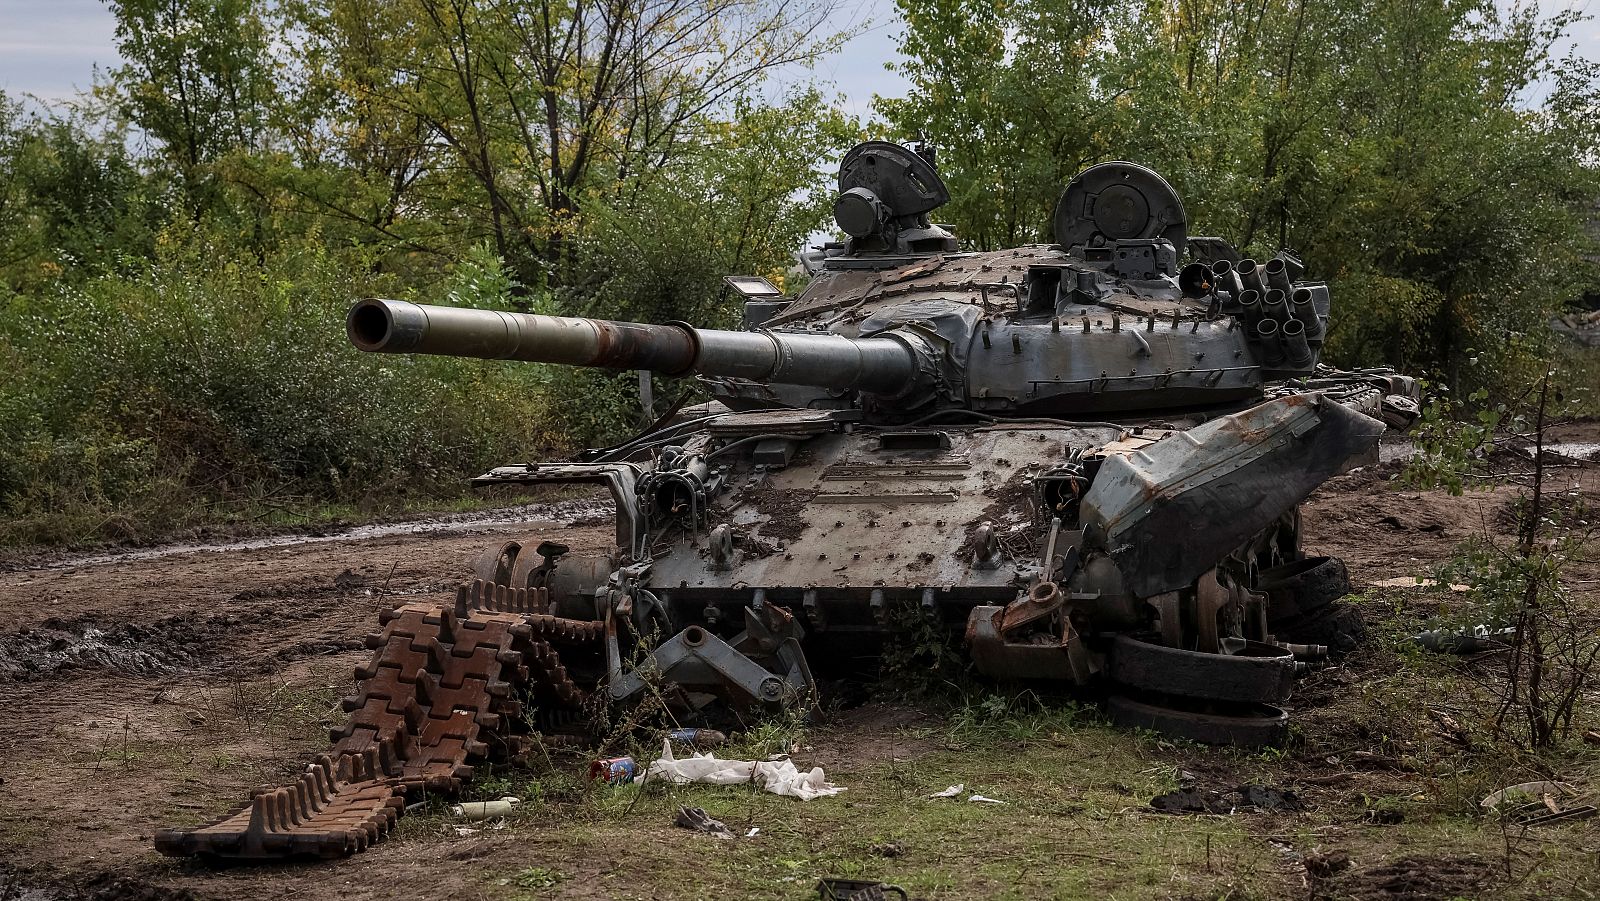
x,y
201,382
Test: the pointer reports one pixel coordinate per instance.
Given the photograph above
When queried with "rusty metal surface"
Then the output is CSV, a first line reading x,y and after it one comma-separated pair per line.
x,y
441,695
338,807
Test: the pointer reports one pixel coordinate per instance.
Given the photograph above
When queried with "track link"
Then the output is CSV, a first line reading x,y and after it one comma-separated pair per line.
x,y
337,807
440,696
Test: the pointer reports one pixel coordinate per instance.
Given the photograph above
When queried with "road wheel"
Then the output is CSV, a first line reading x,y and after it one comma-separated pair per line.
x,y
1304,586
496,563
1339,626
1245,725
1260,673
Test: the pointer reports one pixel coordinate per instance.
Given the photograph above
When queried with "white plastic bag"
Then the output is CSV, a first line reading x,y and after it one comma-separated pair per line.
x,y
781,777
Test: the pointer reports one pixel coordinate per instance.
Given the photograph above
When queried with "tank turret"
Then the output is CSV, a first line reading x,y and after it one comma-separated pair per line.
x,y
899,323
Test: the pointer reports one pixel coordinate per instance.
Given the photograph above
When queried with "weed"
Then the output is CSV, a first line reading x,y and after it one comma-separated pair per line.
x,y
530,882
921,657
538,877
1017,716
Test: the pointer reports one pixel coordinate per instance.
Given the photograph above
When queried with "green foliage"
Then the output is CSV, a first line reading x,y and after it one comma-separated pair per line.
x,y
537,877
1553,648
198,80
201,373
72,203
1387,142
178,250
1449,439
739,203
1495,582
529,125
922,655
1014,716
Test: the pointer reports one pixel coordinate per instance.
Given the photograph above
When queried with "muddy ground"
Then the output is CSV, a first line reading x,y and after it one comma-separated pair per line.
x,y
157,689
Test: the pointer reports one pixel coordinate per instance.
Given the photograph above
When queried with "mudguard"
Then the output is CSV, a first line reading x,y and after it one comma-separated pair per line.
x,y
1235,475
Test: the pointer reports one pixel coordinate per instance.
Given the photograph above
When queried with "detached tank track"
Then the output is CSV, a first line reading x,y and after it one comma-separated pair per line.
x,y
439,696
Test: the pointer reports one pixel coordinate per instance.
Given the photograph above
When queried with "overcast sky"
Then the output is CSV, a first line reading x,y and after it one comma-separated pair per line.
x,y
49,48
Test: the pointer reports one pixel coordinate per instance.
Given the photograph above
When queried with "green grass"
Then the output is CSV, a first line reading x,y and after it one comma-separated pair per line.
x,y
1071,795
1077,821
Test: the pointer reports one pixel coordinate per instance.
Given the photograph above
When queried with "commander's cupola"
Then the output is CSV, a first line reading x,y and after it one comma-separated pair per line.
x,y
885,195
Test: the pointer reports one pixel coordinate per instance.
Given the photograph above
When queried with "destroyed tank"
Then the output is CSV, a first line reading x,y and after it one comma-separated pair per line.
x,y
1082,461
1086,458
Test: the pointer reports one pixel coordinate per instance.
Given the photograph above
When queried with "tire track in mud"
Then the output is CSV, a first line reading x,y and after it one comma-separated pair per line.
x,y
560,514
224,607
241,634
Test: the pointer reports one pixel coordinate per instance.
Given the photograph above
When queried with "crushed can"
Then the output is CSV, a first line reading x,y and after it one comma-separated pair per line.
x,y
615,770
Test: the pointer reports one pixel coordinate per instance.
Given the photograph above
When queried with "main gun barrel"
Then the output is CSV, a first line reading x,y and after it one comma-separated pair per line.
x,y
879,365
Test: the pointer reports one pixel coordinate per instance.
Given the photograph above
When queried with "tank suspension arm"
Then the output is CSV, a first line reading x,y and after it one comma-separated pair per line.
x,y
881,365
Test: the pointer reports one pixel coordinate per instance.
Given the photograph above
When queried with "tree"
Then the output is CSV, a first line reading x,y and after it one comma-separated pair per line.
x,y
72,202
199,80
1385,141
525,116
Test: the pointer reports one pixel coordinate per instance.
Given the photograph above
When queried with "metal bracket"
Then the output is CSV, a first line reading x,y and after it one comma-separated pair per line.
x,y
618,478
696,658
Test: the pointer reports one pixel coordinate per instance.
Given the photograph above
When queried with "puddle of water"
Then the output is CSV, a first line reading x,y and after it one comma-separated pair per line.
x,y
560,513
1403,449
1579,450
44,651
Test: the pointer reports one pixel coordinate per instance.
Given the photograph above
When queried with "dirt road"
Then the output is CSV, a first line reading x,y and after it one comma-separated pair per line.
x,y
157,689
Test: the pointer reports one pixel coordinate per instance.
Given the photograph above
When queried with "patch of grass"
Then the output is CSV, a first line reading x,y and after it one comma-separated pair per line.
x,y
1077,822
272,708
1061,833
528,882
19,831
991,713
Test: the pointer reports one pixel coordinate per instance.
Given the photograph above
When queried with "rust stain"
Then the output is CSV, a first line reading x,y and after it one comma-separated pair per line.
x,y
624,345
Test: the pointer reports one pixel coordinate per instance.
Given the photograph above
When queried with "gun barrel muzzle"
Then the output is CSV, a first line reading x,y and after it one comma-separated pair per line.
x,y
1250,274
1293,335
1267,332
1278,275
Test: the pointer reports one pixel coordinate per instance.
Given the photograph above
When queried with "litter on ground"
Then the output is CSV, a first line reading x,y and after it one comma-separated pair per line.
x,y
781,777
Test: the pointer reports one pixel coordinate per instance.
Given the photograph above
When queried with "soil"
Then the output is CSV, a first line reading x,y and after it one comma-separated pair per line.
x,y
784,510
135,683
1408,879
157,688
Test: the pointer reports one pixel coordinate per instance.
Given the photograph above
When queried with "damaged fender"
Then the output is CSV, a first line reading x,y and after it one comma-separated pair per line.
x,y
1237,474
